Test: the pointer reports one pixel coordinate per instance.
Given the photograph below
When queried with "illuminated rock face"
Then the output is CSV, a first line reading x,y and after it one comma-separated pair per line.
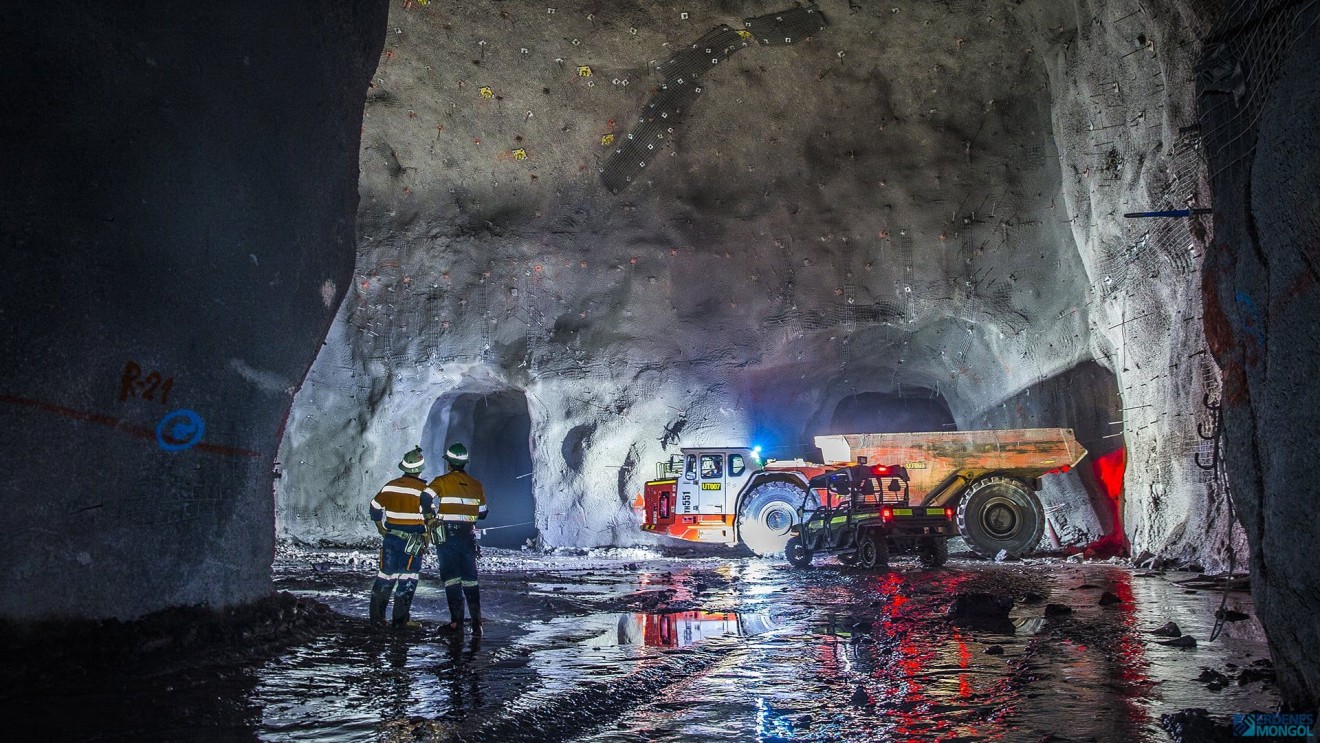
x,y
922,204
177,215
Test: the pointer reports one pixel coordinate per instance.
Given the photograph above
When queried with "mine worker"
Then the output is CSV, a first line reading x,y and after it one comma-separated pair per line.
x,y
397,512
453,503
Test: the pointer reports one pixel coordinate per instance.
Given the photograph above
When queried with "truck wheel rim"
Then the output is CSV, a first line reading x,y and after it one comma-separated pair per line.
x,y
777,519
1000,519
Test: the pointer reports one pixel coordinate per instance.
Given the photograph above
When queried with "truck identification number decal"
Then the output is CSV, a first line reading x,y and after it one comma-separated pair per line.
x,y
710,486
915,465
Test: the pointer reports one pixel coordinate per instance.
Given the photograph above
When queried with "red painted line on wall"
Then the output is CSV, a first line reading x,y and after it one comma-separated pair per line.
x,y
118,424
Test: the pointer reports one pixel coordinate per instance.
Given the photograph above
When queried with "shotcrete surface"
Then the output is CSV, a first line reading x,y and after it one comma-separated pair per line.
x,y
919,200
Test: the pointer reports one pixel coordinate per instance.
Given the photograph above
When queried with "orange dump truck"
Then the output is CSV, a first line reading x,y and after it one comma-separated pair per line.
x,y
727,495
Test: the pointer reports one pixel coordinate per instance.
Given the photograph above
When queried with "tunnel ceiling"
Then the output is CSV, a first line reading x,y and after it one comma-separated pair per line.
x,y
875,200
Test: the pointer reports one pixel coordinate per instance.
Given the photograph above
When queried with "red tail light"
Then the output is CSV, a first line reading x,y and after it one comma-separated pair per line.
x,y
948,513
880,470
886,514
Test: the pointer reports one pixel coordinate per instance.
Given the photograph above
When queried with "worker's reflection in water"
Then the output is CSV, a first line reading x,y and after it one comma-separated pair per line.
x,y
395,684
464,680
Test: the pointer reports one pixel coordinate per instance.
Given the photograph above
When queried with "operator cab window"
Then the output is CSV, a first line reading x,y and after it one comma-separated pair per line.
x,y
712,466
737,465
691,466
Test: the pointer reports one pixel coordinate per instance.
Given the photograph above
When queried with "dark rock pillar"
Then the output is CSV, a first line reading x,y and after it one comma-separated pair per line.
x,y
1260,101
177,204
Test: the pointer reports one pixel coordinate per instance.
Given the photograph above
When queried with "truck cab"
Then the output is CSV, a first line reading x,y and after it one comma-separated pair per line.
x,y
696,491
711,477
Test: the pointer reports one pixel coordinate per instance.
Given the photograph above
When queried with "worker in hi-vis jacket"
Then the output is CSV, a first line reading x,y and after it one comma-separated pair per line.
x,y
453,503
397,512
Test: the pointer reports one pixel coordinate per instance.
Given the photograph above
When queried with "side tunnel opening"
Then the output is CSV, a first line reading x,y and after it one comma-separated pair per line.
x,y
1087,503
879,412
496,428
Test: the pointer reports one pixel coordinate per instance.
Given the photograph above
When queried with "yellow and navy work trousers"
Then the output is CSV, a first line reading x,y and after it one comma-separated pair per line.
x,y
458,569
398,573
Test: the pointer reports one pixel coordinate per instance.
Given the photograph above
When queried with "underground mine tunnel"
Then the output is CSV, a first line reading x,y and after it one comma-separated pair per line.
x,y
668,273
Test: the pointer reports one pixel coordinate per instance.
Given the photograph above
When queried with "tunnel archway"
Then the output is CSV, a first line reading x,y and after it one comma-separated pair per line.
x,y
880,412
496,429
1087,503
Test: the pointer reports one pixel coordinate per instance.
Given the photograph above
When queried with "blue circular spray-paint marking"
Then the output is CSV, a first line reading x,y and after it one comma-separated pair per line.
x,y
179,430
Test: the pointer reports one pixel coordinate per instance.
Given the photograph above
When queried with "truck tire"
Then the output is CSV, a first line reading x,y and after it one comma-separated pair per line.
x,y
872,551
1001,513
933,551
766,514
797,553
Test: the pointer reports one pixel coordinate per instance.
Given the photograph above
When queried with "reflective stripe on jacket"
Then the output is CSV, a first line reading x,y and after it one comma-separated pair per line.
x,y
399,505
455,496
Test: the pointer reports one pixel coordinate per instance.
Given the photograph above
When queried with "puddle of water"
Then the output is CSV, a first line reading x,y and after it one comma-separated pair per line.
x,y
822,654
874,658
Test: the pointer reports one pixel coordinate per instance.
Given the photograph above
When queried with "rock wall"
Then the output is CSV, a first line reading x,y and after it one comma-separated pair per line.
x,y
177,207
1125,123
872,210
916,198
1260,102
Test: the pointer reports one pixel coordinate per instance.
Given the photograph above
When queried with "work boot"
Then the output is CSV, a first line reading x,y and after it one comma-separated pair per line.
x,y
454,597
403,608
380,597
473,596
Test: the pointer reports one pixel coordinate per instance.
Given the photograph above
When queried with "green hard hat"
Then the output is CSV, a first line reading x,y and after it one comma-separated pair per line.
x,y
413,462
457,455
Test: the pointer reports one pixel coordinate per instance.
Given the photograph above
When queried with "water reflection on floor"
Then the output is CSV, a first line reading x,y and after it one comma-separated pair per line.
x,y
739,650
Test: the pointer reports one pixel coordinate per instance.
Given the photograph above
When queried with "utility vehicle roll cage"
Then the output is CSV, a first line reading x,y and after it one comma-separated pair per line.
x,y
854,492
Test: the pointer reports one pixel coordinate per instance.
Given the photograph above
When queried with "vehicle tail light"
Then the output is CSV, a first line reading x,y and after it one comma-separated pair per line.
x,y
887,514
948,512
880,470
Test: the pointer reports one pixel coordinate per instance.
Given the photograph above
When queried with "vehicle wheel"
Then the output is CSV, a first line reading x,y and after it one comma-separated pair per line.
x,y
766,515
872,551
934,551
1000,513
797,553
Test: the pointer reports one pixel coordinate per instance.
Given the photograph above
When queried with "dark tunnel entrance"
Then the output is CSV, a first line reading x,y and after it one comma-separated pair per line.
x,y
496,428
879,412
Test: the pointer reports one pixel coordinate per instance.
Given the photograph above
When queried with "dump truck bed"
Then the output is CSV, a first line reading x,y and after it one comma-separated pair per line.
x,y
941,463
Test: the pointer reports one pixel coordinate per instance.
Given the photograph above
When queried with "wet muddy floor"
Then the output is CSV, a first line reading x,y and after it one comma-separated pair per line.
x,y
637,647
